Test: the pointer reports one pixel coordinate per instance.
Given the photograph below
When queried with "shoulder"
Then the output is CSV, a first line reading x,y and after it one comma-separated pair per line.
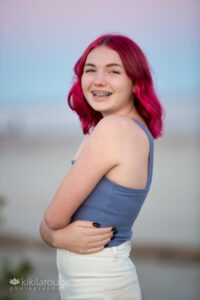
x,y
114,123
105,140
114,120
119,127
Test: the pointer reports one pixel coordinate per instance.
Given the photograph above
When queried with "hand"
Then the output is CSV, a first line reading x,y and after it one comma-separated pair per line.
x,y
82,237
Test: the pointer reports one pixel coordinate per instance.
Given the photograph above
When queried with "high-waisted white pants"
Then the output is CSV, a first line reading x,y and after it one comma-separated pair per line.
x,y
106,275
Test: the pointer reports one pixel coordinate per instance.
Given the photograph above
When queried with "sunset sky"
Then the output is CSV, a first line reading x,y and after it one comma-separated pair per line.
x,y
41,40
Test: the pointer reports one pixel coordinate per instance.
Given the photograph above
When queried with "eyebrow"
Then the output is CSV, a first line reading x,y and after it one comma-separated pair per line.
x,y
108,65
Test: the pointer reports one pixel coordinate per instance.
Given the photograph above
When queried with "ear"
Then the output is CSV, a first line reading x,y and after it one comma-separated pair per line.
x,y
133,89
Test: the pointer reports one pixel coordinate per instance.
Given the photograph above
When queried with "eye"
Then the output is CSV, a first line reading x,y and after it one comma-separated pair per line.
x,y
114,72
89,70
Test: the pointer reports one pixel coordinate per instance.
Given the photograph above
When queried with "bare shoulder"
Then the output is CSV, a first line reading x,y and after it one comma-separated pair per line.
x,y
112,124
121,128
115,134
113,120
128,144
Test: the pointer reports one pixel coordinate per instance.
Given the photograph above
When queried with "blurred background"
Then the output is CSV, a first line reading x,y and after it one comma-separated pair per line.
x,y
40,41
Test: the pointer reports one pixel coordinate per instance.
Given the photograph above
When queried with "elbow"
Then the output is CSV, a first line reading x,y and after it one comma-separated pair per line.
x,y
46,234
53,221
50,221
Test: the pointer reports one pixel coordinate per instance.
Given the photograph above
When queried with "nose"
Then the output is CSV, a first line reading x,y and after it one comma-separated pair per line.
x,y
99,79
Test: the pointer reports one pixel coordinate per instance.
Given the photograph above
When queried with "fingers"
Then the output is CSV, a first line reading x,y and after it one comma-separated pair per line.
x,y
99,238
99,231
93,230
84,223
99,244
95,247
93,238
95,227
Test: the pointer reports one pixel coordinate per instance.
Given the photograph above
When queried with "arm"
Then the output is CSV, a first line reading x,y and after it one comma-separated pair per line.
x,y
47,234
80,237
97,157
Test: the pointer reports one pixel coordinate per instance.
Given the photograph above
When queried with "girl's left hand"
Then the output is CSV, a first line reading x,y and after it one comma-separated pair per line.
x,y
80,237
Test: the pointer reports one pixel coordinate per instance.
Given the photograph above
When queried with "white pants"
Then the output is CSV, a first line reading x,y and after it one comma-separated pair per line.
x,y
106,275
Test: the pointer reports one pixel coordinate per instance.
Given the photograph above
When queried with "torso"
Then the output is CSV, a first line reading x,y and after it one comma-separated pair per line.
x,y
132,171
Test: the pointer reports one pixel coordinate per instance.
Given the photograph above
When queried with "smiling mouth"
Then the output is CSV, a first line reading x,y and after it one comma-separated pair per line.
x,y
101,93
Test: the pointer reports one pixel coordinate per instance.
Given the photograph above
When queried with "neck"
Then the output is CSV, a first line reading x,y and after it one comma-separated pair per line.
x,y
127,111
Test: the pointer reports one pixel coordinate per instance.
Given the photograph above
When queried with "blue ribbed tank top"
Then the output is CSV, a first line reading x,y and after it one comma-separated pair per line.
x,y
112,204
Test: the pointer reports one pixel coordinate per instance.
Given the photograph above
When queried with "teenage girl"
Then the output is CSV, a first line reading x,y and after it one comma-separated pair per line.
x,y
91,216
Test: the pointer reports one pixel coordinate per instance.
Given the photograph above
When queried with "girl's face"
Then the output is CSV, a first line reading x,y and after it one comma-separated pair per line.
x,y
105,84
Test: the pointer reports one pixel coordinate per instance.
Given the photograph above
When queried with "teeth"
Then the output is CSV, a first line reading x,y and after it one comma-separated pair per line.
x,y
101,93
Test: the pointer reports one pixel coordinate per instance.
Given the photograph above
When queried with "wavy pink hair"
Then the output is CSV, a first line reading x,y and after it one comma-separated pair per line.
x,y
136,66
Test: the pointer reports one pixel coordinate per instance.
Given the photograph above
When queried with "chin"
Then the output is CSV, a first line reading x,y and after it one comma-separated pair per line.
x,y
98,106
101,109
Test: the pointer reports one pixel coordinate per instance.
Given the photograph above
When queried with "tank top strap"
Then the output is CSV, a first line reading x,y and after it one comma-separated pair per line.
x,y
151,151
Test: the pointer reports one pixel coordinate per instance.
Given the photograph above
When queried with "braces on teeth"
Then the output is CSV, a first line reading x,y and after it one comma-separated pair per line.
x,y
101,93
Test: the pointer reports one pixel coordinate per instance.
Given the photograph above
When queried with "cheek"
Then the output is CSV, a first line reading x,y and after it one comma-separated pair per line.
x,y
84,86
126,91
127,87
85,82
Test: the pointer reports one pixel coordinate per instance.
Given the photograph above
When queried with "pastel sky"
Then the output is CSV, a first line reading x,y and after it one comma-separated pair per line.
x,y
41,40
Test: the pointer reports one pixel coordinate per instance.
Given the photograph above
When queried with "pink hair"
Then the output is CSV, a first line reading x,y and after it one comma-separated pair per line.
x,y
136,66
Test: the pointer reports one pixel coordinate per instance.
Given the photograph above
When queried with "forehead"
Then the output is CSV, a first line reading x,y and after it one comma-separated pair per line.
x,y
103,55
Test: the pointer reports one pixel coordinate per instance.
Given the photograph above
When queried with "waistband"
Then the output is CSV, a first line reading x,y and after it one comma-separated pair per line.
x,y
120,251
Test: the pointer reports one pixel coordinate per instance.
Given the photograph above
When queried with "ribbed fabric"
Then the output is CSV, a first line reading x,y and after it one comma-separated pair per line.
x,y
112,204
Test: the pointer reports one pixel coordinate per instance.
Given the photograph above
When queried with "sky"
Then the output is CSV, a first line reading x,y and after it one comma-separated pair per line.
x,y
42,39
